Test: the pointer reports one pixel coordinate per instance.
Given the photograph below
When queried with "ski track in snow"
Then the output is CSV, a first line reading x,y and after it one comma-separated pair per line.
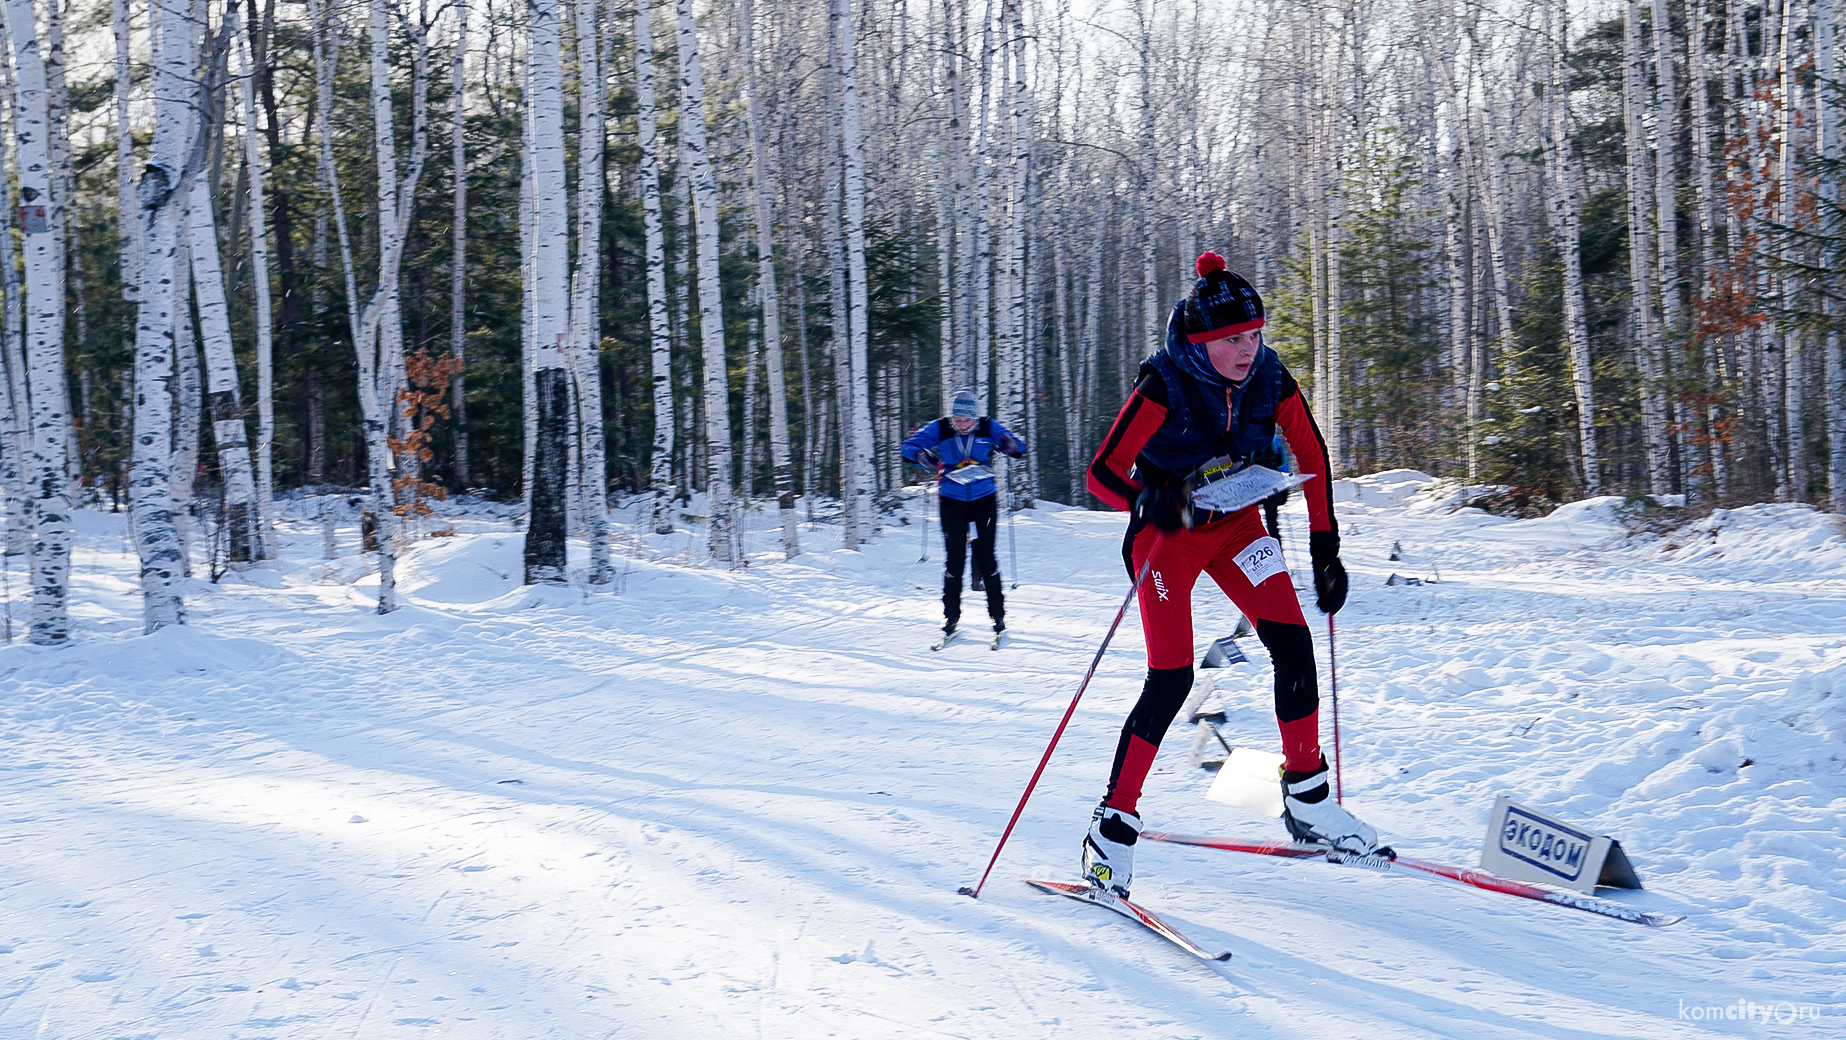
x,y
739,803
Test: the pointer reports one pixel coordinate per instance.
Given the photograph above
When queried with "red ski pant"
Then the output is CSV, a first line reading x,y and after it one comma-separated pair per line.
x,y
1166,592
1231,551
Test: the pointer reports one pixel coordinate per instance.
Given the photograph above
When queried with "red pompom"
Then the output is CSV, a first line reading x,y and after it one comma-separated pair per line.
x,y
1208,263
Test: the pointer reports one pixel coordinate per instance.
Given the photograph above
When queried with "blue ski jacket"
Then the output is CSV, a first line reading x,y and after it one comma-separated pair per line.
x,y
955,451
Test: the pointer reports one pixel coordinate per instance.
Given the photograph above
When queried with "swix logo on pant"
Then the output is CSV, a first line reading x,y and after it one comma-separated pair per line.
x,y
1160,586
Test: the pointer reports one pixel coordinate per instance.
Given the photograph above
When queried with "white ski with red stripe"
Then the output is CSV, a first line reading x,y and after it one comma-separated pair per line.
x,y
1475,878
1134,912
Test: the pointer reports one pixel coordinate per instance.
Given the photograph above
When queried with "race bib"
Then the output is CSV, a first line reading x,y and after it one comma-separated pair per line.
x,y
1261,560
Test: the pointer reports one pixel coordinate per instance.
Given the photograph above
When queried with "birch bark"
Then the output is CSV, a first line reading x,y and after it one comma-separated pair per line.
x,y
660,477
1641,256
1666,136
264,537
1793,363
545,544
43,210
724,544
458,256
172,161
865,477
586,285
771,298
1012,383
18,450
1826,42
1567,204
1709,259
224,401
127,227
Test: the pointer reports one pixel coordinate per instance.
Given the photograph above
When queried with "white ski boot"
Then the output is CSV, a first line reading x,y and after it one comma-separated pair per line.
x,y
1109,849
1311,814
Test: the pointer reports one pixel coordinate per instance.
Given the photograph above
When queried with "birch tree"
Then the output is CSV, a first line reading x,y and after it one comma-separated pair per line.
x,y
659,322
224,401
458,261
586,285
174,160
550,297
724,544
263,539
771,296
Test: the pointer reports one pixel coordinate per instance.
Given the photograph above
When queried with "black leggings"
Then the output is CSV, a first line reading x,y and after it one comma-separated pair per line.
x,y
956,516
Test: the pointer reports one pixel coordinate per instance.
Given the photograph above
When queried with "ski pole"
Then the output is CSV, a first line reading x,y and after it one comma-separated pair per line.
x,y
1011,542
1333,674
923,553
975,891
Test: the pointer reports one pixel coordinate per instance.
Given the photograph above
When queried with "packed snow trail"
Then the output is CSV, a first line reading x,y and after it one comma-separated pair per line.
x,y
739,803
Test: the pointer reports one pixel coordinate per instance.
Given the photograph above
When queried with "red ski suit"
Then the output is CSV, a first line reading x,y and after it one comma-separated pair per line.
x,y
1213,546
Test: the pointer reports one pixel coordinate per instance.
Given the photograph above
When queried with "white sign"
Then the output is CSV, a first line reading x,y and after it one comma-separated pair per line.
x,y
1528,845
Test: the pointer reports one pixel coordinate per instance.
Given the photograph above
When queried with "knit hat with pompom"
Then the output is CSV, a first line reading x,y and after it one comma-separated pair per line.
x,y
1222,303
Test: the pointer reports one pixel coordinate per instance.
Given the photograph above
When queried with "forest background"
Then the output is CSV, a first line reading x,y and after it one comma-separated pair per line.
x,y
374,252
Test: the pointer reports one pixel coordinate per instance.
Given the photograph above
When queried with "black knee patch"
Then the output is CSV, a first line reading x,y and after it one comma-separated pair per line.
x,y
1162,695
1291,648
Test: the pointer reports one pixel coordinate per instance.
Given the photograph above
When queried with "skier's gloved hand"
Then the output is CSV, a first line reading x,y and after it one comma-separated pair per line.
x,y
1329,572
1013,446
929,460
1168,507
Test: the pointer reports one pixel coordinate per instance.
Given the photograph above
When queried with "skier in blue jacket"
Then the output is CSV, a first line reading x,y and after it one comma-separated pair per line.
x,y
958,448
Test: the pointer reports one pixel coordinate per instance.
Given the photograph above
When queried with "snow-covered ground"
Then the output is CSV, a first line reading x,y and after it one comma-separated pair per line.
x,y
739,803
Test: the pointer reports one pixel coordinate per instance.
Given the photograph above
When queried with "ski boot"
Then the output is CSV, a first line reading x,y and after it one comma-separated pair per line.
x,y
1109,849
1310,814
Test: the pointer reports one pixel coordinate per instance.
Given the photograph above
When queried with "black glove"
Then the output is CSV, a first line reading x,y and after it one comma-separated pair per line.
x,y
1168,507
1329,572
929,460
1013,446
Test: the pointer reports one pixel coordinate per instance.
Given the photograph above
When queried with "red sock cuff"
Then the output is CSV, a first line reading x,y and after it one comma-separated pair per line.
x,y
1301,743
1137,761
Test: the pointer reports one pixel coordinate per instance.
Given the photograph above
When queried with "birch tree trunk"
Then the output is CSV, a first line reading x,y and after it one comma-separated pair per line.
x,y
224,400
1826,41
264,536
1709,259
458,261
1641,246
839,353
853,185
1793,363
14,464
42,210
1567,205
586,285
172,161
127,227
545,545
724,542
771,298
1672,310
1150,330
1013,369
660,478
981,302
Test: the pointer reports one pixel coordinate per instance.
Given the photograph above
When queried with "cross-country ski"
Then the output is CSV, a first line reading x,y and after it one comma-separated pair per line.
x,y
1135,912
1467,876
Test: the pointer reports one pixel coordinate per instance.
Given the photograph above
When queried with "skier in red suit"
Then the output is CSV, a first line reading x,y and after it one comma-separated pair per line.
x,y
1211,398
